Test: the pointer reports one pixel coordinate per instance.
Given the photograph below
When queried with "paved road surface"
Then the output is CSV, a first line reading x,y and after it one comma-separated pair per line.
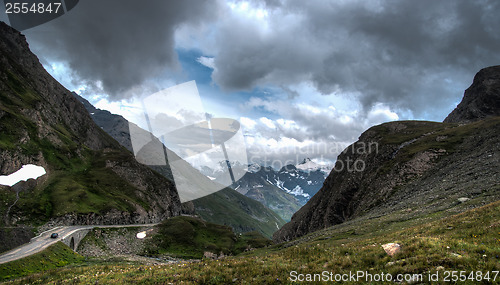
x,y
43,240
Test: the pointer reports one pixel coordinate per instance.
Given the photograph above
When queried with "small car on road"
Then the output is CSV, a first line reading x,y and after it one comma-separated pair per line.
x,y
54,235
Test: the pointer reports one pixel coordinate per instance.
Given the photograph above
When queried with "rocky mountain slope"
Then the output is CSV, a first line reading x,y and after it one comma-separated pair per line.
x,y
413,168
284,190
90,178
226,207
481,99
261,189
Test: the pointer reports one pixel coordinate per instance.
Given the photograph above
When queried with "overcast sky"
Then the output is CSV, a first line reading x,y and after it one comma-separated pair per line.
x,y
296,74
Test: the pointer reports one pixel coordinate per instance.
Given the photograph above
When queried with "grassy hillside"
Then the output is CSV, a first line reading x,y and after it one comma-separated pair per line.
x,y
55,256
243,214
90,187
188,237
468,242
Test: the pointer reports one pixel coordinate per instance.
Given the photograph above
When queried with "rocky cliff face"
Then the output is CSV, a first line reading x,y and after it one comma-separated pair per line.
x,y
412,168
481,99
114,125
90,178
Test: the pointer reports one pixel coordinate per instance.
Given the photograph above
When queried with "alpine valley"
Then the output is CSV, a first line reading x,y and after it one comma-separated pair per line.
x,y
426,201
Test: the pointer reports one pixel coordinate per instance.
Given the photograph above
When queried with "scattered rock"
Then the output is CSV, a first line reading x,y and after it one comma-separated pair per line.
x,y
440,268
441,138
391,248
208,254
211,255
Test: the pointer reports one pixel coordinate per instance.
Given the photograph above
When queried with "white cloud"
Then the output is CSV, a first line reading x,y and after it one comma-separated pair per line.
x,y
381,113
267,122
247,123
207,61
287,124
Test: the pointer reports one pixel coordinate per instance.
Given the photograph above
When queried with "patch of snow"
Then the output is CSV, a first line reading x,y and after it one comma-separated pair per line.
x,y
141,235
309,182
279,184
267,179
28,171
298,191
211,178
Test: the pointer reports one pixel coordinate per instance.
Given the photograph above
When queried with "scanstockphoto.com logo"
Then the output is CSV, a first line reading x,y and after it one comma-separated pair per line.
x,y
24,15
181,133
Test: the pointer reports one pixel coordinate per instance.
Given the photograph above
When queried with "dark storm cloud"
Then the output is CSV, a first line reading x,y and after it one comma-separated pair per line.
x,y
120,43
403,53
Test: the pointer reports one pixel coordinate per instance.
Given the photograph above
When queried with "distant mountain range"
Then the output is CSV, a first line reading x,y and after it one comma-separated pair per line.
x,y
284,190
301,181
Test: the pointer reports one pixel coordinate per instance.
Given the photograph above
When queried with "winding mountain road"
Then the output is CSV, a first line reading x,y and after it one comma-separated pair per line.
x,y
44,240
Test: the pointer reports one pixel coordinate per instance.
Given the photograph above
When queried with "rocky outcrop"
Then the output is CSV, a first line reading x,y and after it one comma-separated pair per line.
x,y
114,242
481,99
115,125
91,178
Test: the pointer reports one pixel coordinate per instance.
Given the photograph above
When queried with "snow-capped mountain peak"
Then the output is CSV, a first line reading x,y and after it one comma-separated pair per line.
x,y
307,165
